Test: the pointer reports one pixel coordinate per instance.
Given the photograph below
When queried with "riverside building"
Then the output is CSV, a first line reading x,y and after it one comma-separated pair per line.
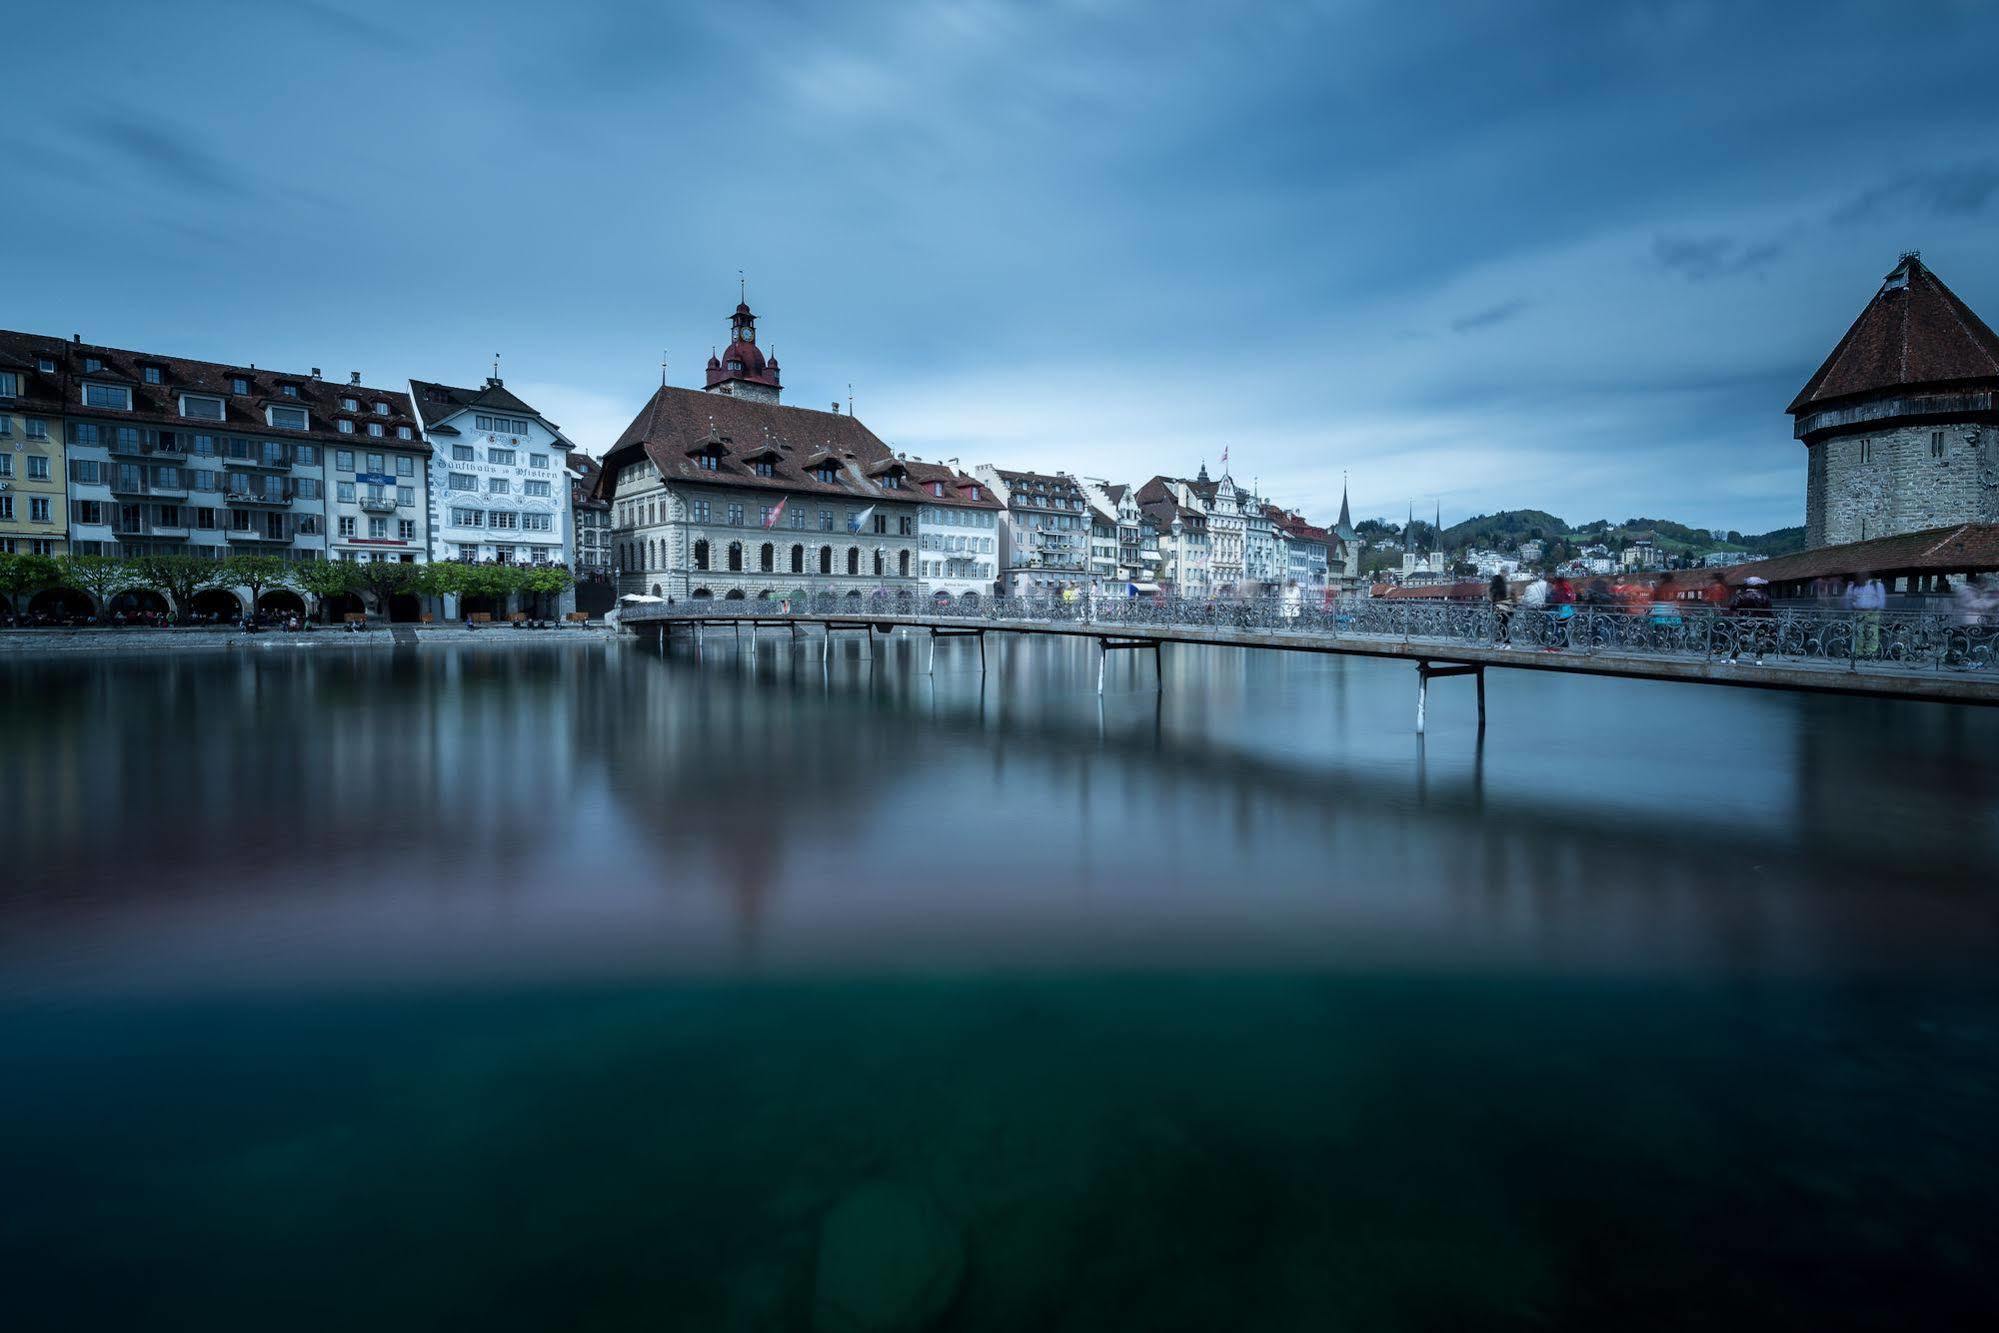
x,y
498,479
725,492
1901,422
1045,541
34,506
957,532
377,498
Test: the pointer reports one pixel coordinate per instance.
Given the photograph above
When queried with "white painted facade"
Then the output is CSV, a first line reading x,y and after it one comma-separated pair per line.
x,y
499,484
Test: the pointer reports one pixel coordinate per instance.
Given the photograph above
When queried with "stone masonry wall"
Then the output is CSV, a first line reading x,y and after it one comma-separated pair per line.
x,y
1894,481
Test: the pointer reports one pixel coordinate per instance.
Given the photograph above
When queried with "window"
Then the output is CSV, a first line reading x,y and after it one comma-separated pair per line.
x,y
38,468
1936,444
239,385
763,467
825,520
107,395
469,518
88,511
881,523
200,407
464,453
504,554
735,557
701,554
349,405
708,462
10,384
468,552
306,488
826,474
405,495
38,429
973,491
378,528
87,471
536,522
499,425
305,455
406,529
767,558
503,457
797,559
735,516
504,520
375,464
853,559
286,418
91,365
381,409
403,433
698,510
152,374
347,527
346,427
375,429
902,564
7,508
343,460
535,488
38,509
825,560
46,364
798,518
498,486
538,461
274,453
461,481
764,515
1867,450
891,482
344,492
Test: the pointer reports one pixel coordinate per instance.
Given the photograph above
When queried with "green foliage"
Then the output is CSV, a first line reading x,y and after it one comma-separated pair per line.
x,y
180,577
546,580
324,578
26,573
101,576
257,572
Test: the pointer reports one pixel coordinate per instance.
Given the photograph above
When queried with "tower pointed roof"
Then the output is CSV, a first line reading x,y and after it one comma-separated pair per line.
x,y
1914,332
1344,528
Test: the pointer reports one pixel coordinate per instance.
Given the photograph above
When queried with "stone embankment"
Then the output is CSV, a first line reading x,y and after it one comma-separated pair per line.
x,y
138,641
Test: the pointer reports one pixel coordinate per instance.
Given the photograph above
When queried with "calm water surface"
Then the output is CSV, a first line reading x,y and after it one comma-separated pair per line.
x,y
575,987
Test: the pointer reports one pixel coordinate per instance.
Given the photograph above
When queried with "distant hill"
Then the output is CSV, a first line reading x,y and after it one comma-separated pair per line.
x,y
1510,527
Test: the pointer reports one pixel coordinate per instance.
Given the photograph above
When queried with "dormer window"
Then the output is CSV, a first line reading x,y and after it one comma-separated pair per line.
x,y
381,409
973,491
375,429
239,385
201,407
937,489
892,482
46,364
403,433
735,365
826,473
152,374
708,462
346,427
91,365
107,395
286,418
289,390
349,405
10,385
763,467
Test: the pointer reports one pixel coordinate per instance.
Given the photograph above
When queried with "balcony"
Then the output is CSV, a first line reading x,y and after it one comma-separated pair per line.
x,y
254,500
125,448
258,537
258,464
378,504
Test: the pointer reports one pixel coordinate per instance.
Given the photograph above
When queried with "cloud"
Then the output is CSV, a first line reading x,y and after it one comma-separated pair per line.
x,y
1698,258
1491,315
1954,192
146,143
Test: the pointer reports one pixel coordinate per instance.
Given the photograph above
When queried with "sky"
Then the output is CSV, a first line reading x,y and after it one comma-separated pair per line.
x,y
1568,256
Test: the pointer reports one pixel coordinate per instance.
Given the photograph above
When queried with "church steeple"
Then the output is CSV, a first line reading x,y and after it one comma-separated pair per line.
x,y
742,371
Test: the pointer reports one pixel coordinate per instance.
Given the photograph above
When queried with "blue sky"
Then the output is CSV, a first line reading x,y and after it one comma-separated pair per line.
x,y
1574,256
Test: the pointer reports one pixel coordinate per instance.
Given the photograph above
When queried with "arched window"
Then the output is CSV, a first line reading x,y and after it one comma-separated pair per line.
x,y
902,564
825,560
853,559
701,554
767,558
798,559
735,557
881,564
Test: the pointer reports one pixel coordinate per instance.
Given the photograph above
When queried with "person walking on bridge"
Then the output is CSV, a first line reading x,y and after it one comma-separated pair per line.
x,y
1752,603
1501,595
1865,597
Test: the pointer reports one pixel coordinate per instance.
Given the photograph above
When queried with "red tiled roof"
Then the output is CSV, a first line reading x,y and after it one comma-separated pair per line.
x,y
675,420
957,486
1968,547
158,404
1914,332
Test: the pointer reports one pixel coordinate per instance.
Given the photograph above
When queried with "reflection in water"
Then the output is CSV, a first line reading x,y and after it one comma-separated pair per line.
x,y
578,986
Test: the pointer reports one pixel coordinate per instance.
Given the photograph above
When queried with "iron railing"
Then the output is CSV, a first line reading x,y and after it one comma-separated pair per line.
x,y
1901,641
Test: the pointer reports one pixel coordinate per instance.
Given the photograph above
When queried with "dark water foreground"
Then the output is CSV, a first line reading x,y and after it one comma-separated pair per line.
x,y
585,989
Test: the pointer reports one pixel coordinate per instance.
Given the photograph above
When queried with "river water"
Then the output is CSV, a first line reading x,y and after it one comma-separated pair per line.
x,y
579,987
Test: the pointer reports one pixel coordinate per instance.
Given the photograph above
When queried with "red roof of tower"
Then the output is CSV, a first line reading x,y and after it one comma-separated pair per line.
x,y
1914,332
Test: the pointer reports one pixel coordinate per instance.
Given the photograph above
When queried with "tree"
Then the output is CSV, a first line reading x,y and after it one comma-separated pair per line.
x,y
180,577
546,580
379,580
101,577
26,573
258,572
324,579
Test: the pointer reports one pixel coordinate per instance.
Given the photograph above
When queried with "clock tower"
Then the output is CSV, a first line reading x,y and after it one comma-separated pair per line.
x,y
741,371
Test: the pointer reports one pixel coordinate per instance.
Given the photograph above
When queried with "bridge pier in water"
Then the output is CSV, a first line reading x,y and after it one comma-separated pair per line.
x,y
1105,647
1424,672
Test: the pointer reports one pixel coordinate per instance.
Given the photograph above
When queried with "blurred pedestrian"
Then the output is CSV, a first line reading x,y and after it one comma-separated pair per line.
x,y
1866,598
1753,608
1501,595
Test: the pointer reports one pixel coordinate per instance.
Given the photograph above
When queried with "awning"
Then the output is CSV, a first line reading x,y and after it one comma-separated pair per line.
x,y
639,597
1142,589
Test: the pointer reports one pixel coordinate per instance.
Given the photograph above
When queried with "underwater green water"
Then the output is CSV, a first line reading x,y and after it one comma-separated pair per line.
x,y
584,989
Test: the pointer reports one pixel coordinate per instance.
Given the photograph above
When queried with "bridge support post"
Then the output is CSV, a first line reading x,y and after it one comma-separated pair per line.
x,y
1424,671
1105,647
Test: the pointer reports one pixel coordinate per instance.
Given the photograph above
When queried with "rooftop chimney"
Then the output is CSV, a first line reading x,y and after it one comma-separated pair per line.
x,y
836,409
76,337
353,377
315,374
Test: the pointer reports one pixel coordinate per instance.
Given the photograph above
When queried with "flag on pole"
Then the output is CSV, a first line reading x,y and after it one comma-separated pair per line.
x,y
771,522
858,521
1225,458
